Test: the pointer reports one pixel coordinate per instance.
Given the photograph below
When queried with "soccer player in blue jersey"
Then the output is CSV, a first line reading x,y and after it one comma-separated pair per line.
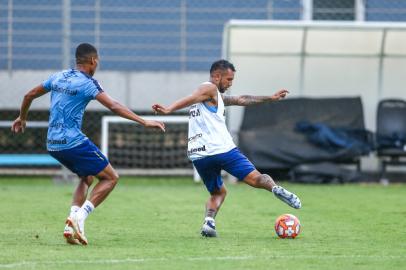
x,y
71,90
210,145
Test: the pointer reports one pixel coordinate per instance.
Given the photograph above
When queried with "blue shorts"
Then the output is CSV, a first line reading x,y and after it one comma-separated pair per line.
x,y
233,162
84,159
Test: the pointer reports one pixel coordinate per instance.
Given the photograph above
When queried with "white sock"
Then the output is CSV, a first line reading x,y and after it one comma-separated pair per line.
x,y
82,214
209,219
73,210
85,210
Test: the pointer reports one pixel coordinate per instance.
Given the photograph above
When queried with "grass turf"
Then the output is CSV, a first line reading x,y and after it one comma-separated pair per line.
x,y
155,224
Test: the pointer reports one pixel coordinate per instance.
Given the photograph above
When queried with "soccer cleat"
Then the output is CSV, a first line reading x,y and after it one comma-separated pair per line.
x,y
69,235
287,197
79,235
209,228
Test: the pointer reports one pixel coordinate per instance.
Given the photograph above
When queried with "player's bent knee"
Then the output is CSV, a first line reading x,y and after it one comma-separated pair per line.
x,y
252,178
112,181
261,181
115,179
115,176
88,180
219,196
257,181
223,193
110,174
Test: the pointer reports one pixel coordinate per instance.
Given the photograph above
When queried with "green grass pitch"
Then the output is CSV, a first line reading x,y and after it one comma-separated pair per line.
x,y
155,224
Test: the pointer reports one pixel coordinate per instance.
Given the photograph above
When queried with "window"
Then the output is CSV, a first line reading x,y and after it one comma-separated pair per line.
x,y
342,10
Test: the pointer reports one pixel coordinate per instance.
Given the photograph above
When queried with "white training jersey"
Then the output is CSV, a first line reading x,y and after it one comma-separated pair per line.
x,y
208,133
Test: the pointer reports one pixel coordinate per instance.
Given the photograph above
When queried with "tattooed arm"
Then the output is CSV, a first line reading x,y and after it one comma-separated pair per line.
x,y
203,93
246,100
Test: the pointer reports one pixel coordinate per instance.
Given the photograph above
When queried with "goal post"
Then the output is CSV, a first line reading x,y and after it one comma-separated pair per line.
x,y
134,150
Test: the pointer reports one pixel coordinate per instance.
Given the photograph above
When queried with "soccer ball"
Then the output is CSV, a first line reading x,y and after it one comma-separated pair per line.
x,y
287,226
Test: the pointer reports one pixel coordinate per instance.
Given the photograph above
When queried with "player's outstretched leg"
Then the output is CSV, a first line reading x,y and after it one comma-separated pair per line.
x,y
212,207
258,180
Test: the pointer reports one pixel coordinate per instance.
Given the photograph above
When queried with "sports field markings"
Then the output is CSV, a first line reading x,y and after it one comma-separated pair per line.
x,y
224,258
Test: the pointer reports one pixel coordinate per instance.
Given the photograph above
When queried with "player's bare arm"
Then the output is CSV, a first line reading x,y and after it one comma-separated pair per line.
x,y
21,121
124,112
246,100
206,92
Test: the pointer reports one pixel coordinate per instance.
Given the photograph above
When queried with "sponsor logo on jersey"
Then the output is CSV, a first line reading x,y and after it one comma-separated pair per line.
x,y
195,137
198,149
194,112
65,91
56,125
57,141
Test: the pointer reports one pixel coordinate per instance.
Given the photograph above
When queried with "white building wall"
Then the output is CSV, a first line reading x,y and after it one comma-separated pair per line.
x,y
318,59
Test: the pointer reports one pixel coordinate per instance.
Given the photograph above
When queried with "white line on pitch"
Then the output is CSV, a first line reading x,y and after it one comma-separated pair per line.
x,y
225,258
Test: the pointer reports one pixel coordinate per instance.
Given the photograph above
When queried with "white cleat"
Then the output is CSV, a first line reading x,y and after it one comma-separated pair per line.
x,y
287,197
69,235
209,228
79,235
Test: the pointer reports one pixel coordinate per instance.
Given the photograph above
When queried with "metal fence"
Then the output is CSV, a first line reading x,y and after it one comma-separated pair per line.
x,y
131,35
169,35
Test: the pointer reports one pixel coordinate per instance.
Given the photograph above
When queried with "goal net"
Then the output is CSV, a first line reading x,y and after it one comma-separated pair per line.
x,y
135,150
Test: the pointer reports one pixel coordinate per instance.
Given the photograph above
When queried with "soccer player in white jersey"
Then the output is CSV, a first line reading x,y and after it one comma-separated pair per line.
x,y
210,145
71,90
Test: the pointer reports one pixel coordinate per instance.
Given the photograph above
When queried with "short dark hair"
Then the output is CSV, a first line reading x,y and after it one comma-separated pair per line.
x,y
84,52
222,65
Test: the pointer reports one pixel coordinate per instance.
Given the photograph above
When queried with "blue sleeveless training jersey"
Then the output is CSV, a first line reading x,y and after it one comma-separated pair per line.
x,y
71,90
